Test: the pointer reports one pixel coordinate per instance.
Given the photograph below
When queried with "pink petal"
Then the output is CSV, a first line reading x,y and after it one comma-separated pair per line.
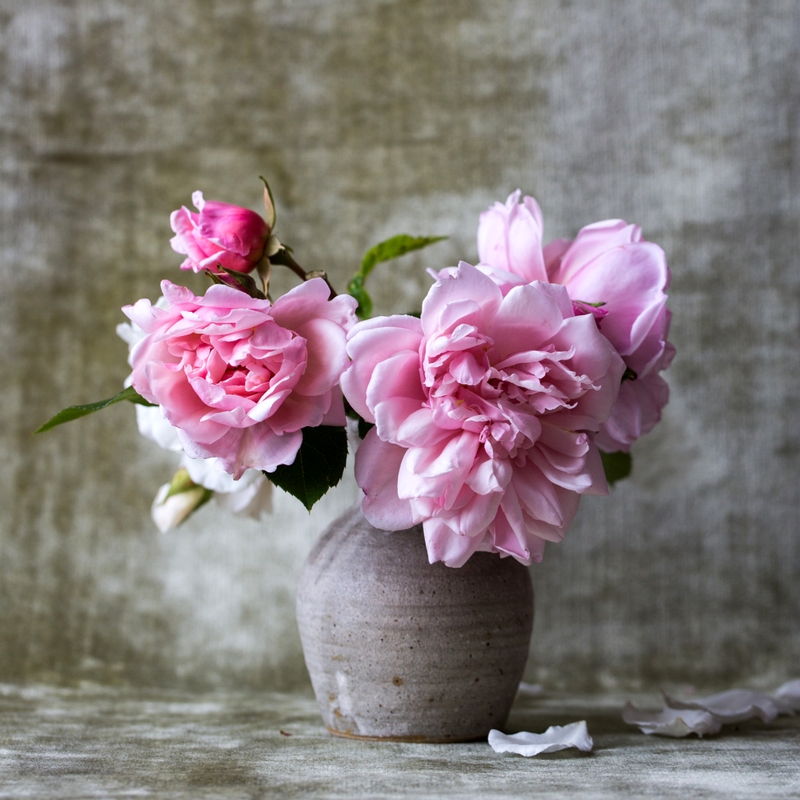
x,y
438,471
368,344
537,496
326,353
376,467
630,280
444,545
262,449
419,430
476,515
334,416
300,304
510,238
508,541
526,315
635,413
395,383
592,241
467,283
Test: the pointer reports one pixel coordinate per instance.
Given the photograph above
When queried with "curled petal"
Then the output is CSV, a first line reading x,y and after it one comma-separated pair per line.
x,y
555,738
451,548
672,722
370,343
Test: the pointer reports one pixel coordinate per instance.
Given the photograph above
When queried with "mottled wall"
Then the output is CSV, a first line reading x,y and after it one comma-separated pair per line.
x,y
372,118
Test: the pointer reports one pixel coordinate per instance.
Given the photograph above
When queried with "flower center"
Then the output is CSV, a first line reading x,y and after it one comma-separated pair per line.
x,y
473,387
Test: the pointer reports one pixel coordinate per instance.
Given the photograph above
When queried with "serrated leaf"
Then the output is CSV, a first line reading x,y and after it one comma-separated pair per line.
x,y
394,248
76,412
616,465
318,466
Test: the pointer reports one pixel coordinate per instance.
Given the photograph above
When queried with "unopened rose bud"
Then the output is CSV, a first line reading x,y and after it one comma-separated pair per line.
x,y
219,236
175,501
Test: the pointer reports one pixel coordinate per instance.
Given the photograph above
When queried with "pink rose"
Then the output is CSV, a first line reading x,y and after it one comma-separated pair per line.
x,y
484,411
223,234
608,263
240,377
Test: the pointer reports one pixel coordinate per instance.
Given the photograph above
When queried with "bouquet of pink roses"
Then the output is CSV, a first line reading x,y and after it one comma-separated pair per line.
x,y
519,387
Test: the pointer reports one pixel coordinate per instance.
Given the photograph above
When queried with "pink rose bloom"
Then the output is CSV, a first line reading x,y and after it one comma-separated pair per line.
x,y
609,263
240,377
484,411
222,234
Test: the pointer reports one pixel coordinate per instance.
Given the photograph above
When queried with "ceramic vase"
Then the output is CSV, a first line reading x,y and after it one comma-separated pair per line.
x,y
403,650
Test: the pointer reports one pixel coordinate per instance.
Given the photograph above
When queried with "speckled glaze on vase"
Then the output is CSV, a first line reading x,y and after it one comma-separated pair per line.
x,y
403,650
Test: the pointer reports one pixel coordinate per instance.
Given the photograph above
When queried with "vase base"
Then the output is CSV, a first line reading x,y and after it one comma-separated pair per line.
x,y
401,650
408,739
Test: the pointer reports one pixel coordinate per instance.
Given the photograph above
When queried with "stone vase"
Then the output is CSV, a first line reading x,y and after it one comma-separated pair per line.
x,y
403,650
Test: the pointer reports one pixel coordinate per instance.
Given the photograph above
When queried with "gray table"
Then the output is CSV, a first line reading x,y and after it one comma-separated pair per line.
x,y
101,742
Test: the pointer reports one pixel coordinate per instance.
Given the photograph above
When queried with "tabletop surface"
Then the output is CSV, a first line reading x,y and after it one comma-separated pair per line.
x,y
103,742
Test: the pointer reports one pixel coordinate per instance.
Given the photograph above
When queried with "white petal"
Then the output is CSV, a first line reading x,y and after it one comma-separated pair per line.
x,y
152,425
556,737
788,697
169,512
252,501
210,472
735,705
672,721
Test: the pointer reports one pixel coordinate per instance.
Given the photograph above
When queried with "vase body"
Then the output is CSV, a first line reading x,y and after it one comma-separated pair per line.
x,y
404,650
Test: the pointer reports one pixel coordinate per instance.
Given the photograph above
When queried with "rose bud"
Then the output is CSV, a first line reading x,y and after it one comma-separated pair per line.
x,y
176,500
220,235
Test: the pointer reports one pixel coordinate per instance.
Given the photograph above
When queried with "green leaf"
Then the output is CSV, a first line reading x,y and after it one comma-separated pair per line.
x,y
318,466
76,412
383,251
181,482
356,289
394,248
617,466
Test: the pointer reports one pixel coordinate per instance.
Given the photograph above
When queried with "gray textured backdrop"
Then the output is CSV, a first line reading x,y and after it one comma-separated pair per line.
x,y
372,118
